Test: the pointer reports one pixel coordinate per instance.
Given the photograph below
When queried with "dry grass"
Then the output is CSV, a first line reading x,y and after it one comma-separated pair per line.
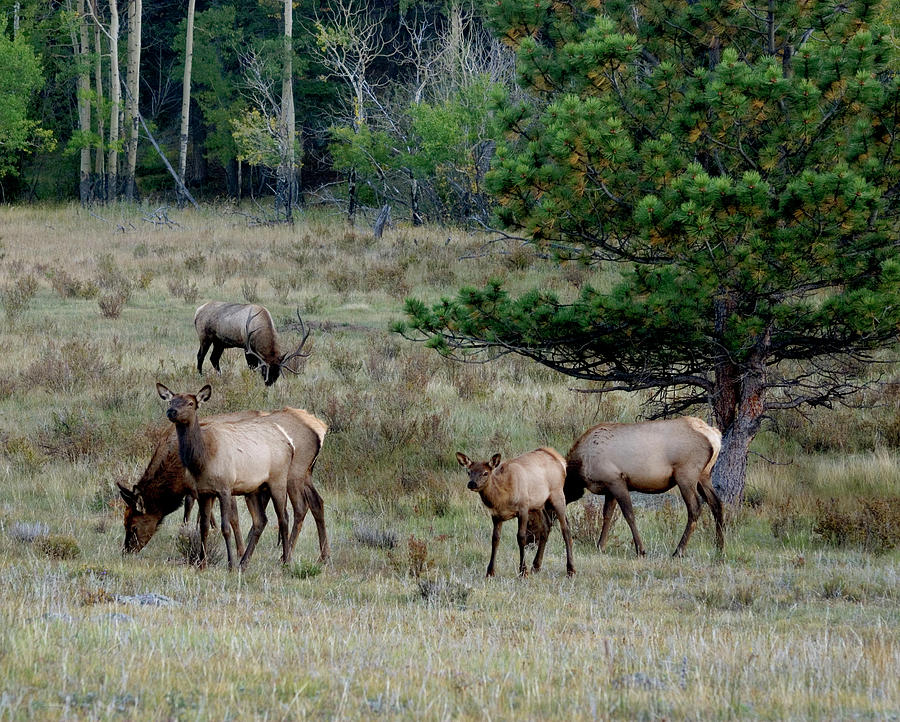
x,y
401,623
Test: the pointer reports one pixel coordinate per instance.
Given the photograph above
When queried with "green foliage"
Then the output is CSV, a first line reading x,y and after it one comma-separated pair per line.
x,y
746,191
20,79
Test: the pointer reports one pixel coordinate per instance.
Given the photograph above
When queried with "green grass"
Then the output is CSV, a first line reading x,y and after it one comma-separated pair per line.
x,y
784,626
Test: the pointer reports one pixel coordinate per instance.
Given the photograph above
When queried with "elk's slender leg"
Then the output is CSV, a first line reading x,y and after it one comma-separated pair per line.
x,y
279,500
188,505
205,506
542,537
620,491
495,540
256,505
520,538
226,505
317,508
299,503
559,506
709,495
692,502
216,354
609,510
201,354
236,528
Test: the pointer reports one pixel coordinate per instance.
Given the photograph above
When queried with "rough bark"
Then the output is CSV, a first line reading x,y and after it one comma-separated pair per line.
x,y
81,43
729,473
115,101
99,155
186,99
285,186
132,82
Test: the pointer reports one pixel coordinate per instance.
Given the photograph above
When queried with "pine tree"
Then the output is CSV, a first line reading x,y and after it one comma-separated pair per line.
x,y
740,163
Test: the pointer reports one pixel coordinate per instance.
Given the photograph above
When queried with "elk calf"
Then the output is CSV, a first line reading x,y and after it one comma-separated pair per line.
x,y
650,457
518,488
247,326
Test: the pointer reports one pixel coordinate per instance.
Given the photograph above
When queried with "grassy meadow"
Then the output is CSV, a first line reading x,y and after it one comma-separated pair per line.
x,y
799,620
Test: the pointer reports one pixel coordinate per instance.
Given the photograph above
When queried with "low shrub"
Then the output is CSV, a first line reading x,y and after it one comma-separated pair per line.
x,y
443,592
68,286
373,536
111,304
17,295
187,544
873,524
59,546
182,288
250,291
304,570
63,367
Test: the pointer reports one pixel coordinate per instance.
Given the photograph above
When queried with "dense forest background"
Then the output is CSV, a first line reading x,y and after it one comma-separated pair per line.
x,y
391,100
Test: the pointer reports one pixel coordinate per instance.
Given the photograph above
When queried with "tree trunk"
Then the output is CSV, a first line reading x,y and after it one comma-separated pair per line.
x,y
286,182
115,101
414,202
81,42
132,84
99,155
730,472
186,99
351,194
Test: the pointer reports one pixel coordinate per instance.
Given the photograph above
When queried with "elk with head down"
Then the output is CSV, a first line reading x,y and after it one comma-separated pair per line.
x,y
520,488
650,457
231,458
247,326
164,483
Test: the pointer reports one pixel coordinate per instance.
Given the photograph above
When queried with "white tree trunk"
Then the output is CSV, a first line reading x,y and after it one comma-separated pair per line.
x,y
115,101
99,155
81,43
186,98
132,83
286,182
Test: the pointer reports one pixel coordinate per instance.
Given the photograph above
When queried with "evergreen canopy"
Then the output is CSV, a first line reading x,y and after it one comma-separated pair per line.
x,y
740,162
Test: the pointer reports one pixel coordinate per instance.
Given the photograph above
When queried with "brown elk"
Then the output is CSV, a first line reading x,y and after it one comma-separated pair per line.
x,y
520,488
247,326
650,457
232,458
164,483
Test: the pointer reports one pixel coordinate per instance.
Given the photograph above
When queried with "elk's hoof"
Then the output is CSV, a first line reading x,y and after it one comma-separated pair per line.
x,y
570,572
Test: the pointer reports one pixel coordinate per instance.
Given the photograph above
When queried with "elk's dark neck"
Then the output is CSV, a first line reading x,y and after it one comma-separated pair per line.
x,y
191,446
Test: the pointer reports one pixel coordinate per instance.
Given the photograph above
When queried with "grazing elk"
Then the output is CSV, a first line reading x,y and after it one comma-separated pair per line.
x,y
521,487
650,457
247,326
164,483
232,458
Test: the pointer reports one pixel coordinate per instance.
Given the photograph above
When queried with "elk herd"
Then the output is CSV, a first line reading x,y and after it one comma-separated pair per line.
x,y
270,455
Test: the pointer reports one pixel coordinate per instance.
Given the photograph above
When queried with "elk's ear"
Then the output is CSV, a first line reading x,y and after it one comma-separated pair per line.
x,y
126,493
163,392
495,461
204,394
463,459
139,503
